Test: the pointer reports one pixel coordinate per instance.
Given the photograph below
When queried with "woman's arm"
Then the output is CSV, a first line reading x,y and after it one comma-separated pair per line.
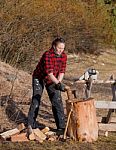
x,y
53,78
63,68
60,77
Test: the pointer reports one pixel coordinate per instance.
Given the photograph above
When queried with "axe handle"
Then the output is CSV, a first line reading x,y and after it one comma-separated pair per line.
x,y
69,92
70,96
67,124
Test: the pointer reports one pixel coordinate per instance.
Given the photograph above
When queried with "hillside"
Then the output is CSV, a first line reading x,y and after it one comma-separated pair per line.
x,y
13,113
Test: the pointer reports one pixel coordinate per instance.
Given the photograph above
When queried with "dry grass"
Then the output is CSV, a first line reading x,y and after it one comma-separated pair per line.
x,y
103,143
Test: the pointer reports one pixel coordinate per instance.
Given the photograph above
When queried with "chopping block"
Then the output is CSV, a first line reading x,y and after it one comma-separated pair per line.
x,y
82,122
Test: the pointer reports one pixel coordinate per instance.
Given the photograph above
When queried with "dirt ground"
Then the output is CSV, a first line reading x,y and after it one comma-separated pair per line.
x,y
16,86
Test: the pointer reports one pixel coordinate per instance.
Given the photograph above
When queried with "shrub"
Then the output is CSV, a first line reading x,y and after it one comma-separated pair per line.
x,y
28,28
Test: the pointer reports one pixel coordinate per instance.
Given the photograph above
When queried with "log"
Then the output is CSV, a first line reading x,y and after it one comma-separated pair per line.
x,y
39,133
52,139
103,133
46,129
19,138
83,124
21,127
9,133
50,134
38,139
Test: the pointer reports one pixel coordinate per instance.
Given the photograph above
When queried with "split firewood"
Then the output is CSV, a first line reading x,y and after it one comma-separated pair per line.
x,y
30,133
50,134
19,138
106,133
46,129
38,139
103,133
52,139
40,134
21,127
9,133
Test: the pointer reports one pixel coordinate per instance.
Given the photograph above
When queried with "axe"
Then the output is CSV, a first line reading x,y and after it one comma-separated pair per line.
x,y
69,94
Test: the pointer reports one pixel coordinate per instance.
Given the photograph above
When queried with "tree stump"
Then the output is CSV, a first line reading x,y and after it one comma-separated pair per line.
x,y
83,124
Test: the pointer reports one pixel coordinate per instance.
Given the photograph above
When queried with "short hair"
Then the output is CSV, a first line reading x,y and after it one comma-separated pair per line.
x,y
58,40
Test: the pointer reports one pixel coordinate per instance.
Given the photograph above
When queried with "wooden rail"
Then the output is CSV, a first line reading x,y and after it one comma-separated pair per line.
x,y
98,81
105,104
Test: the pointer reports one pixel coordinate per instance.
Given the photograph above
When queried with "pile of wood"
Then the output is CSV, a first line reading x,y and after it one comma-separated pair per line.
x,y
23,134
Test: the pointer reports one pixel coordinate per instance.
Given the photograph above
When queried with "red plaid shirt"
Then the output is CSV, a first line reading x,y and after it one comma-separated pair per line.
x,y
50,63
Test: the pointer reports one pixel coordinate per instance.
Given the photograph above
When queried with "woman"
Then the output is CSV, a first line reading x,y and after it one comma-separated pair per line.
x,y
49,73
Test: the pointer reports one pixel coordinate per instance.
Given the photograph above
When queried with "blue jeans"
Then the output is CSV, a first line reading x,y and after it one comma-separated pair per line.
x,y
56,101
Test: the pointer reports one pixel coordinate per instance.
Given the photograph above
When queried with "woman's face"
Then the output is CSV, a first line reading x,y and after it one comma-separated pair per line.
x,y
60,48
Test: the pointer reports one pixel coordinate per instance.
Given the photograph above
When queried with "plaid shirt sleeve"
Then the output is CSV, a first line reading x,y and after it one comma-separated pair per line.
x,y
64,61
48,63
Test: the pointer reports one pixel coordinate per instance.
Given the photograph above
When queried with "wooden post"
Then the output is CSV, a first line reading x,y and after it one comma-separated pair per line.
x,y
88,86
108,118
83,124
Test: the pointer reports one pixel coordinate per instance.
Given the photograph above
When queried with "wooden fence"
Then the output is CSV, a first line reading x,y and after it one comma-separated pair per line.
x,y
107,123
